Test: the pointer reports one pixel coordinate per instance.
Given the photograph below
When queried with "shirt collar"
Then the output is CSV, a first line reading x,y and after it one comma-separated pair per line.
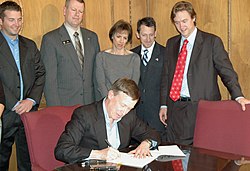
x,y
71,31
106,116
150,49
191,38
9,40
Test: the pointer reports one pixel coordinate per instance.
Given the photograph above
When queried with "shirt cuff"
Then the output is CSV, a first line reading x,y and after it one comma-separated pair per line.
x,y
13,109
34,102
238,98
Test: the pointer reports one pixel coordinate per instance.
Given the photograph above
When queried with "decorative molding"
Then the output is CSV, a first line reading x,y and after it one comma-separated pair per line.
x,y
229,44
130,18
148,7
112,11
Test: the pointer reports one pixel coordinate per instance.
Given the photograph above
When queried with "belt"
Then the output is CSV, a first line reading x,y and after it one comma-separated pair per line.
x,y
184,99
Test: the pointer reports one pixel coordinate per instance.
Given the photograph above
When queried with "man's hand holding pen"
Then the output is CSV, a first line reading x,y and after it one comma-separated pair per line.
x,y
109,153
105,154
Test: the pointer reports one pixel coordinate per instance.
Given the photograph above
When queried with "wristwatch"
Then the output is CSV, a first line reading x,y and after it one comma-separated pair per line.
x,y
149,142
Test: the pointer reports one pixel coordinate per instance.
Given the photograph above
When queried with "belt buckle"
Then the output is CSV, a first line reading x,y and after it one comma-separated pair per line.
x,y
185,99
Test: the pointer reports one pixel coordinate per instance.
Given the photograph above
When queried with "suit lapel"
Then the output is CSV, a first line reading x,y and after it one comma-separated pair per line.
x,y
69,48
155,54
23,51
154,58
176,49
123,132
100,126
87,49
7,52
197,48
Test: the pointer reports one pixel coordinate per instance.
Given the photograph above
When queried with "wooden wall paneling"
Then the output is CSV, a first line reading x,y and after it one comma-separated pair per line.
x,y
98,19
207,20
212,16
240,46
40,20
138,10
160,10
121,10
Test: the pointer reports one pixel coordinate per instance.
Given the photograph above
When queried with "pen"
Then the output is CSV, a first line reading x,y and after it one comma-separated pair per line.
x,y
106,140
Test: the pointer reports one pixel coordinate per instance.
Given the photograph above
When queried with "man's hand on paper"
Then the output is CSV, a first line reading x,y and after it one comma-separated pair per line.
x,y
142,150
105,154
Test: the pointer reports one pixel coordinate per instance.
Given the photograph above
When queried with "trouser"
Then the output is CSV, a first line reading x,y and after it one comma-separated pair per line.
x,y
181,119
13,131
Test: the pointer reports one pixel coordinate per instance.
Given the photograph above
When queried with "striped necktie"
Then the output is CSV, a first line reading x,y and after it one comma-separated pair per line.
x,y
79,50
145,57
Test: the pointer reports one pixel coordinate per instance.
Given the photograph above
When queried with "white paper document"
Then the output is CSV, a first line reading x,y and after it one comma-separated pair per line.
x,y
170,150
129,159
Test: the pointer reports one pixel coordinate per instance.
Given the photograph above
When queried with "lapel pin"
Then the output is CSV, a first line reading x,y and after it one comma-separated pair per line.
x,y
157,59
66,42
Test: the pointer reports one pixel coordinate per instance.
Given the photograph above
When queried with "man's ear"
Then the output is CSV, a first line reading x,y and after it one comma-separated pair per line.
x,y
110,94
137,35
155,33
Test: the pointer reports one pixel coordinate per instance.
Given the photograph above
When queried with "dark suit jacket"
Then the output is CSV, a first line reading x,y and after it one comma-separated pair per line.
x,y
87,131
149,84
32,69
208,60
2,97
66,84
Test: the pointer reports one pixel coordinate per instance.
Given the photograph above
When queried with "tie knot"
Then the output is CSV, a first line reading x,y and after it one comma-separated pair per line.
x,y
145,51
76,34
185,42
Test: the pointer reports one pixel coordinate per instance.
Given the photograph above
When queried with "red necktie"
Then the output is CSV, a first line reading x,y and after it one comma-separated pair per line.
x,y
177,165
175,90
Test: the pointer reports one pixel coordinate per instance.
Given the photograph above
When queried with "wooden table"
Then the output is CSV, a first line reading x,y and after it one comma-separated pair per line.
x,y
197,160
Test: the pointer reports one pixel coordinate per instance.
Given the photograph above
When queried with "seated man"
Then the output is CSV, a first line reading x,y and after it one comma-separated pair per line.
x,y
99,129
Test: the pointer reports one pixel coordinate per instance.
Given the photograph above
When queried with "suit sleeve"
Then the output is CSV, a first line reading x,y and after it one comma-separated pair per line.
x,y
68,149
48,54
136,68
141,131
2,97
225,69
100,76
164,78
37,88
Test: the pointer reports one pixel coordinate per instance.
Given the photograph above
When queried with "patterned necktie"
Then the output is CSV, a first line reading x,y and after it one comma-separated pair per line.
x,y
145,57
177,165
79,49
178,74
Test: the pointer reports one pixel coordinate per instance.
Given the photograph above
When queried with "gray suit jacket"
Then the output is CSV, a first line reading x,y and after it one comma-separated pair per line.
x,y
149,104
66,84
86,131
